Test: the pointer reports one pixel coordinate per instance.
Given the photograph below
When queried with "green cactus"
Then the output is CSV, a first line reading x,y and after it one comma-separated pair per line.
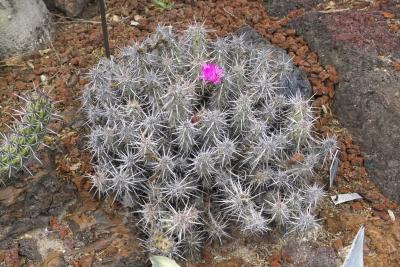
x,y
25,137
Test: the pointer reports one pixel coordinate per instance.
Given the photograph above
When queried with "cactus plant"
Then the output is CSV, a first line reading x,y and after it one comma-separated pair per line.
x,y
18,146
201,133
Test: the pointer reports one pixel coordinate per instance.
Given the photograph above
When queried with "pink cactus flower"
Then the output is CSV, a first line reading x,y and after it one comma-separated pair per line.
x,y
211,73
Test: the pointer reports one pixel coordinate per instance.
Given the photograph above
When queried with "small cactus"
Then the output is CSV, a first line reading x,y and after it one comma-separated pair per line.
x,y
20,144
201,133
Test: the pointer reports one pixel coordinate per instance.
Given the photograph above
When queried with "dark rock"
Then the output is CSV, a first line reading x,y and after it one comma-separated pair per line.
x,y
293,82
367,98
281,8
72,8
47,196
308,254
131,261
29,249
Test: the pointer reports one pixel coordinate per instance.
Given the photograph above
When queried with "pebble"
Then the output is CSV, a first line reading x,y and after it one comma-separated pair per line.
x,y
337,244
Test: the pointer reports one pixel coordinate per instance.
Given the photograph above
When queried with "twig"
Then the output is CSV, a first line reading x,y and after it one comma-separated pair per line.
x,y
12,65
334,10
104,27
229,13
72,20
78,21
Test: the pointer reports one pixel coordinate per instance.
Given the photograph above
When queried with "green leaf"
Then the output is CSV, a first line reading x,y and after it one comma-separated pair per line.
x,y
163,4
161,261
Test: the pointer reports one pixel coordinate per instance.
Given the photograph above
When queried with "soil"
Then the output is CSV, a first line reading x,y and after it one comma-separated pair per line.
x,y
53,219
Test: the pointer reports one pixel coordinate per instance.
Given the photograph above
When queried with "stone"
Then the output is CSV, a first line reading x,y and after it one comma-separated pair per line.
x,y
281,8
45,197
367,99
29,249
23,26
71,8
337,244
309,254
233,262
131,261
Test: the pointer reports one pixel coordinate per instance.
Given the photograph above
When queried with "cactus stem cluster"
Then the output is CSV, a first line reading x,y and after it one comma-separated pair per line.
x,y
201,135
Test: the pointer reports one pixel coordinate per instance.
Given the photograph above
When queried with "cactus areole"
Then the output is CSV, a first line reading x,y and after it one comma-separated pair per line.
x,y
201,137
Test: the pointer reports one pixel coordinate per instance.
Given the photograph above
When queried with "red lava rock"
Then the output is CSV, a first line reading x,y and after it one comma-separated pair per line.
x,y
391,205
356,206
350,221
290,31
206,255
86,261
295,13
286,258
396,231
38,70
74,61
388,15
394,27
331,225
382,214
82,80
323,75
11,258
360,5
78,61
272,27
312,58
379,207
233,262
296,158
318,102
337,244
50,70
95,38
275,260
351,150
357,161
79,181
61,229
278,38
53,223
316,69
301,52
64,166
298,61
19,85
70,140
397,66
372,196
86,162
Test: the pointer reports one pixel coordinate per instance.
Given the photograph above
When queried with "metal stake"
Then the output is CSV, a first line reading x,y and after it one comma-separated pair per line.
x,y
106,44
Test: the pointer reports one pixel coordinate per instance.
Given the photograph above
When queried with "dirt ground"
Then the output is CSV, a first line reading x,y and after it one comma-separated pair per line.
x,y
51,218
